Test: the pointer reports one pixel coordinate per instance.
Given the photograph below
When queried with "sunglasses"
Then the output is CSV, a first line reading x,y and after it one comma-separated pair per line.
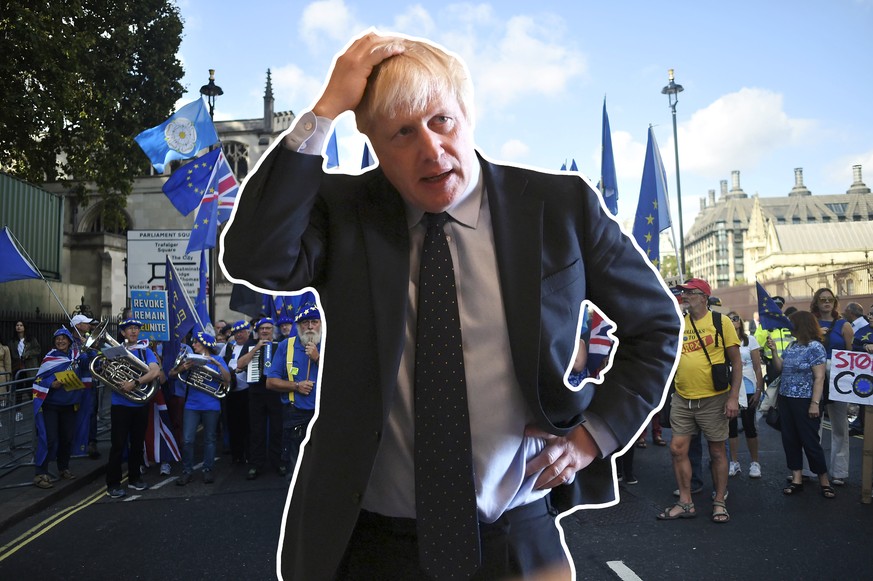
x,y
736,319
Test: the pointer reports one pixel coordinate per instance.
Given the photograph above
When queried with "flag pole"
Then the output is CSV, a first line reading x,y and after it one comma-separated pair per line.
x,y
30,260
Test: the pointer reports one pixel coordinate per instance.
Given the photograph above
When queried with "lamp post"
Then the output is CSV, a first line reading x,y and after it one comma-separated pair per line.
x,y
211,91
672,91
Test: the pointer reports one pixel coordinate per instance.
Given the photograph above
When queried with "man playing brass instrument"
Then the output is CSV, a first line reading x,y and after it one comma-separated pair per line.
x,y
129,418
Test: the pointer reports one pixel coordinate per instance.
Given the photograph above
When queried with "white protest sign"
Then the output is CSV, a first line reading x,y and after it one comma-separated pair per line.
x,y
851,378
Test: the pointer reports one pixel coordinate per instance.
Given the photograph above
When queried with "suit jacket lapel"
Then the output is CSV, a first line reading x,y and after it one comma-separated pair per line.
x,y
386,242
519,260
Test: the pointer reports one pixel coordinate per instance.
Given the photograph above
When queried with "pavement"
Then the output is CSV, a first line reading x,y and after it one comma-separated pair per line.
x,y
20,499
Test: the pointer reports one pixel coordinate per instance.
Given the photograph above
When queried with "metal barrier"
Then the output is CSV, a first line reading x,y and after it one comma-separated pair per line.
x,y
17,434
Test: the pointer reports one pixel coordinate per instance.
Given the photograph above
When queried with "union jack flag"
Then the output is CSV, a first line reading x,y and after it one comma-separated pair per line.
x,y
599,345
160,444
53,362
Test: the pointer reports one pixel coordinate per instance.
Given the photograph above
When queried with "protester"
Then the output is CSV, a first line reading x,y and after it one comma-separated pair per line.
x,y
24,350
526,248
56,401
803,374
295,376
129,418
700,403
837,334
750,395
201,408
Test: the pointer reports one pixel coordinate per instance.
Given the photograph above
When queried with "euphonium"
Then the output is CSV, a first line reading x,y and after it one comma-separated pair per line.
x,y
202,377
114,372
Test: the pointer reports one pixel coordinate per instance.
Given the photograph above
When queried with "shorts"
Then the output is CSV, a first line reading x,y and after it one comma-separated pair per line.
x,y
688,416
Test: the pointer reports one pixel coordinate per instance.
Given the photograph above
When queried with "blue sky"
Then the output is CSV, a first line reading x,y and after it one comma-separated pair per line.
x,y
769,85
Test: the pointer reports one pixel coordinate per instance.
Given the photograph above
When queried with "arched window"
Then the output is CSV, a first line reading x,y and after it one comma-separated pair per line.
x,y
92,222
237,155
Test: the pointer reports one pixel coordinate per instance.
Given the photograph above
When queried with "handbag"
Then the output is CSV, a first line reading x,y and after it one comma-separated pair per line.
x,y
772,414
721,372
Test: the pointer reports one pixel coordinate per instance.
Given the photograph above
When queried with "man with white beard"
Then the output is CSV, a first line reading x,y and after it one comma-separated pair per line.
x,y
294,374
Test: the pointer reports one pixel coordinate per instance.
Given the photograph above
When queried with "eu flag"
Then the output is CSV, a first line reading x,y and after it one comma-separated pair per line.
x,y
218,195
13,264
608,183
186,132
185,188
769,314
653,213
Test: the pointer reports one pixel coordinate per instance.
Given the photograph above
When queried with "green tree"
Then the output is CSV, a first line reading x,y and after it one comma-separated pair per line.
x,y
81,78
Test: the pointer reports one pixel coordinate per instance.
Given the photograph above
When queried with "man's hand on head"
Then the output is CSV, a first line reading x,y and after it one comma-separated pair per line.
x,y
348,79
562,457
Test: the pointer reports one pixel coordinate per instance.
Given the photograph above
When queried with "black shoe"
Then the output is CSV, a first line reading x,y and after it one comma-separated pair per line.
x,y
93,452
208,477
252,474
282,470
184,479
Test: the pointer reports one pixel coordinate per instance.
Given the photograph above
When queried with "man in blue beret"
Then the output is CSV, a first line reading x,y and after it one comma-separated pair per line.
x,y
294,376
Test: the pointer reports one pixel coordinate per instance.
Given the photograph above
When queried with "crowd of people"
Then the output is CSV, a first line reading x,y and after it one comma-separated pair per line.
x,y
727,374
254,396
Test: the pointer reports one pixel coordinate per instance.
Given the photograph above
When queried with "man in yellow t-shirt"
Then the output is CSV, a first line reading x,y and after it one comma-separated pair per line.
x,y
697,406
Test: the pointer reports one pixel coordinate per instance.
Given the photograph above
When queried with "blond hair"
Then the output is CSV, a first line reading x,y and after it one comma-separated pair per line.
x,y
409,82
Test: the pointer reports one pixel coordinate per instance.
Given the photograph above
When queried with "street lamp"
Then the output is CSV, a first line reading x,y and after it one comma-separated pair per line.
x,y
672,91
211,91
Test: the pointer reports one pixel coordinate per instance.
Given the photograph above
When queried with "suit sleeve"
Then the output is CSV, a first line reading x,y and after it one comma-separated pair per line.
x,y
275,240
621,282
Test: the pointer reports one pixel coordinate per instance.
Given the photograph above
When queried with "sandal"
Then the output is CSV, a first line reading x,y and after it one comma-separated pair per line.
x,y
659,441
641,443
792,488
42,481
687,511
721,516
838,481
828,492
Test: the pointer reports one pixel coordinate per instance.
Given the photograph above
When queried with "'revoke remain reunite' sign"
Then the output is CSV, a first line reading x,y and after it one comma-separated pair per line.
x,y
151,309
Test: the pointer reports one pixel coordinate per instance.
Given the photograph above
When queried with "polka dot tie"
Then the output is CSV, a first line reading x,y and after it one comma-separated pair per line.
x,y
445,494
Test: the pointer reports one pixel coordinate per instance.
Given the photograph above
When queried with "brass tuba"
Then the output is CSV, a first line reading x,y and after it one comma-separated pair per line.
x,y
114,372
200,377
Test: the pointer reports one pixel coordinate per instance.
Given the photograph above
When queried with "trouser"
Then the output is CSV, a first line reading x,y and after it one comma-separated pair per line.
x,y
60,425
236,409
193,418
265,421
294,423
95,408
523,543
800,434
838,413
128,427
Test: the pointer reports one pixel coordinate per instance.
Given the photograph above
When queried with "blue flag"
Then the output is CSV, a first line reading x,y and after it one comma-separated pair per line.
x,y
13,264
564,166
183,316
220,183
653,213
770,316
367,160
185,188
573,165
331,151
186,132
608,183
200,302
863,337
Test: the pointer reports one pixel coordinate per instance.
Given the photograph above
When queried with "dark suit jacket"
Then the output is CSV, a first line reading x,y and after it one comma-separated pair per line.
x,y
347,236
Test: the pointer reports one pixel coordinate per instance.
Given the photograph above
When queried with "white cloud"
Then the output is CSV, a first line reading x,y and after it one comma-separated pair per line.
x,y
532,57
840,170
739,130
293,88
416,21
328,23
513,150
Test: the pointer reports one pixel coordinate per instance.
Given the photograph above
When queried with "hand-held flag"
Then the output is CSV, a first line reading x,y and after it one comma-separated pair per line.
x,y
13,264
608,183
186,132
653,214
